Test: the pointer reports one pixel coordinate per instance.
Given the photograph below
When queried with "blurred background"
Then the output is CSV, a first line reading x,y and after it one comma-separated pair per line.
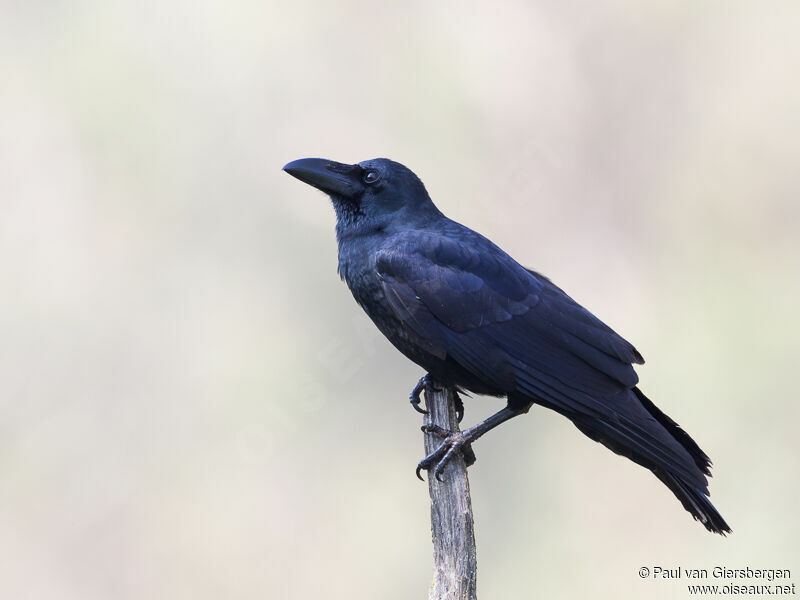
x,y
192,405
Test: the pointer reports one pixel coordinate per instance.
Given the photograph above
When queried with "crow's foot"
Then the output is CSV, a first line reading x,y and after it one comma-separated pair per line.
x,y
454,441
426,381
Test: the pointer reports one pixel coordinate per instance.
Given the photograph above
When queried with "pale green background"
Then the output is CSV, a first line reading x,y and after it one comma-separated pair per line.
x,y
191,404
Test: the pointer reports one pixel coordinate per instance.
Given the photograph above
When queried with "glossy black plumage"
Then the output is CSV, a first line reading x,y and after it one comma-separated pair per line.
x,y
475,319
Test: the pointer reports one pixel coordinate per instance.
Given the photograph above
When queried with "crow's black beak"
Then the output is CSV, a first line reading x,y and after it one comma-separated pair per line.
x,y
326,175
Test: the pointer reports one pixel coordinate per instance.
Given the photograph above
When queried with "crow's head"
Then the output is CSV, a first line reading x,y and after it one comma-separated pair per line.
x,y
374,194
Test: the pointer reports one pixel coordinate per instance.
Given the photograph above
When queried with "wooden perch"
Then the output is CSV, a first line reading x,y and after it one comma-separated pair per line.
x,y
454,561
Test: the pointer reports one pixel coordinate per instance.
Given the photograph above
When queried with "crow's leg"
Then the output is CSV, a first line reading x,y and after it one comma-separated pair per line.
x,y
462,440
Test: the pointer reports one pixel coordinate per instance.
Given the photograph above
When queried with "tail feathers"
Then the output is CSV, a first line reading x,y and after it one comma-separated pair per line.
x,y
684,439
639,431
696,502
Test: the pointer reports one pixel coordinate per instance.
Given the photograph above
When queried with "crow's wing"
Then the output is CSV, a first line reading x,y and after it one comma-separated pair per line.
x,y
497,319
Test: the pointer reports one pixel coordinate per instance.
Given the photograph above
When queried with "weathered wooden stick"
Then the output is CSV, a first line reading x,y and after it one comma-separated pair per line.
x,y
454,561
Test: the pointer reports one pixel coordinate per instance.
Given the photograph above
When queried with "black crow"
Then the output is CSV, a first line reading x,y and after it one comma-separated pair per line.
x,y
475,319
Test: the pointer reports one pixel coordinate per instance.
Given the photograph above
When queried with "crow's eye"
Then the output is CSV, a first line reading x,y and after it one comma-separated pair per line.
x,y
371,176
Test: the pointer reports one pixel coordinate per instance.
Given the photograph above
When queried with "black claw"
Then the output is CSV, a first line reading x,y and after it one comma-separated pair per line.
x,y
426,464
414,398
459,407
417,408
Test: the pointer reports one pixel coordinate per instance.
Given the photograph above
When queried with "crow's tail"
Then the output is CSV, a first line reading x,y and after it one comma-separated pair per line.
x,y
696,502
639,431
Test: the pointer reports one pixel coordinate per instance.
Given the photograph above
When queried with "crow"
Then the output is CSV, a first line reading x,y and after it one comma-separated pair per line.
x,y
477,321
